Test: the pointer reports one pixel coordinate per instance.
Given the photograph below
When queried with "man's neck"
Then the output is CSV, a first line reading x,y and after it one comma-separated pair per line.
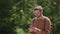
x,y
40,17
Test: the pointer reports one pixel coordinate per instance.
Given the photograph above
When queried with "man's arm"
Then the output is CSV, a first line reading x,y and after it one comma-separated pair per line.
x,y
31,25
32,21
48,25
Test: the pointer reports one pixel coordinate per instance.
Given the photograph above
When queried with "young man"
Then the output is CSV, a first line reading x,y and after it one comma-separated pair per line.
x,y
40,24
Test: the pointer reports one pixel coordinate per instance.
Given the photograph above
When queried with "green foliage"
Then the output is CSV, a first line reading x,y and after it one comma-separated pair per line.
x,y
16,15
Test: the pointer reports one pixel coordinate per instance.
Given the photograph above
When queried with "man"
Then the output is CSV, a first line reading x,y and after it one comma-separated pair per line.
x,y
40,24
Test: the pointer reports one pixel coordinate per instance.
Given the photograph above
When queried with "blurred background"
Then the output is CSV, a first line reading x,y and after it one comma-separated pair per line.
x,y
16,15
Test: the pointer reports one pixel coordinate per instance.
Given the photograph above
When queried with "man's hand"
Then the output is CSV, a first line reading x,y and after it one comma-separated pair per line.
x,y
37,29
34,29
31,29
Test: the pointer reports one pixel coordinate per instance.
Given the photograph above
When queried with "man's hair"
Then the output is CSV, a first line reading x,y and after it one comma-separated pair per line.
x,y
38,8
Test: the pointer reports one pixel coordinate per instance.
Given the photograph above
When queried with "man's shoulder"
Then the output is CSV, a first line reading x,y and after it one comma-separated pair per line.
x,y
47,18
34,18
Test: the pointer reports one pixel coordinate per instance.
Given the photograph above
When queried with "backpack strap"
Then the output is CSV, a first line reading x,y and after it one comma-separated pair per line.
x,y
44,24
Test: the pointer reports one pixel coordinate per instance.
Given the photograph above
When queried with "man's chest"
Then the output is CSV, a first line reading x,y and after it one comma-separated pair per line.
x,y
39,23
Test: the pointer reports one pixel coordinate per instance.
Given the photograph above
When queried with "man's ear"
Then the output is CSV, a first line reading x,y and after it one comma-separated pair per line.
x,y
42,11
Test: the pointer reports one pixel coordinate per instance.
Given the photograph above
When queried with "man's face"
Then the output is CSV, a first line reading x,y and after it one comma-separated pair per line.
x,y
37,13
